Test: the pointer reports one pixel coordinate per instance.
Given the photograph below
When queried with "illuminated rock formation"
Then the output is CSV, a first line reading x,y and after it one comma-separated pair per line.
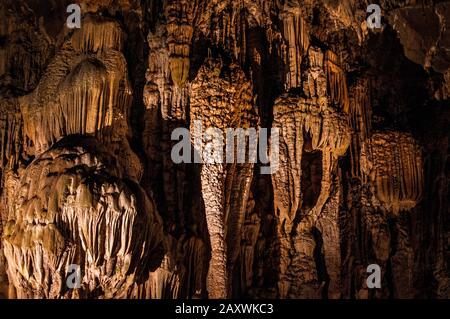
x,y
222,99
296,35
179,31
393,163
70,206
312,137
85,90
357,118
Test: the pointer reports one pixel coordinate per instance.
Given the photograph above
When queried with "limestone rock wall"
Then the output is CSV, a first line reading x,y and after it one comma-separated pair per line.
x,y
357,118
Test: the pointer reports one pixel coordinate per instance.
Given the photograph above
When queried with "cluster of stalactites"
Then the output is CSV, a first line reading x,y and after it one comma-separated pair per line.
x,y
325,78
337,83
179,31
328,128
84,91
323,74
360,114
299,118
296,37
98,34
231,25
392,162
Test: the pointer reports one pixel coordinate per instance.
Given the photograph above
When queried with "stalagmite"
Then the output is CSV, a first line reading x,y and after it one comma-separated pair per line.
x,y
328,239
402,261
196,267
250,236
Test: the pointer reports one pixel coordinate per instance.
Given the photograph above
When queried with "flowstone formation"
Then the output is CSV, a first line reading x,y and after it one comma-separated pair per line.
x,y
71,207
357,117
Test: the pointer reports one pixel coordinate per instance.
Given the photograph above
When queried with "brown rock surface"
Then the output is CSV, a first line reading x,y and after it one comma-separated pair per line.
x,y
360,117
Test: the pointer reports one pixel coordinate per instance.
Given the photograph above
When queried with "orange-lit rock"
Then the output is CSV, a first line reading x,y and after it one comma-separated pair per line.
x,y
86,169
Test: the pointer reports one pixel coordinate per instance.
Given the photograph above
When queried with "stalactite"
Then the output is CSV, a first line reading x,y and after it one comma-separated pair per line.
x,y
229,25
180,30
337,82
296,35
360,121
229,30
344,14
314,79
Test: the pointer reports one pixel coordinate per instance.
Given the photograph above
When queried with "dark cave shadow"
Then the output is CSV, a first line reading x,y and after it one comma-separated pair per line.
x,y
184,216
319,260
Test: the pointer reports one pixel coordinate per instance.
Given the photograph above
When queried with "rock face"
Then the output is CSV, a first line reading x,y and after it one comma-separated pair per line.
x,y
352,122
